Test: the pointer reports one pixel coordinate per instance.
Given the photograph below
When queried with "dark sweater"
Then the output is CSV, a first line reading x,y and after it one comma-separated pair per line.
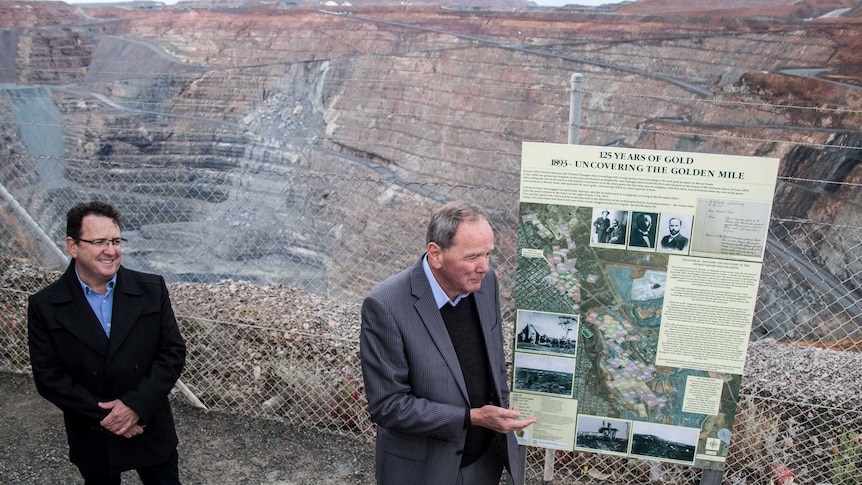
x,y
465,331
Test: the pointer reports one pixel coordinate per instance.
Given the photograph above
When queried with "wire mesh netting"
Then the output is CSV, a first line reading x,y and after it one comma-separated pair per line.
x,y
275,162
267,292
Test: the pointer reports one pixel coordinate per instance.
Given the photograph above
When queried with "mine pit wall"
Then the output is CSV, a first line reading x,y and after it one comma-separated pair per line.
x,y
207,158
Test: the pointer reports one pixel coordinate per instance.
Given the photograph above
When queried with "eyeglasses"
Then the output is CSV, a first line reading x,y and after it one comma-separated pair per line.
x,y
103,243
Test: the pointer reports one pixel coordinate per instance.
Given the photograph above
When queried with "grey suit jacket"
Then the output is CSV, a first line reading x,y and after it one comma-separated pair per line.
x,y
415,388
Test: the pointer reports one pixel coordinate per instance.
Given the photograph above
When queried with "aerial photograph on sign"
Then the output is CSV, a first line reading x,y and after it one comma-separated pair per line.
x,y
604,306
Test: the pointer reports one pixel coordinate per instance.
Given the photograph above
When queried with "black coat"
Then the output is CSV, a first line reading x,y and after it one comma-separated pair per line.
x,y
75,366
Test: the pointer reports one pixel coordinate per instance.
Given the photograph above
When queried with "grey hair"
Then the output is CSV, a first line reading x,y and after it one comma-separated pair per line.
x,y
444,222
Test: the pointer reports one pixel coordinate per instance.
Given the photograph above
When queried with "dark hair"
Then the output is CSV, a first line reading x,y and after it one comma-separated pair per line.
x,y
444,222
76,215
642,218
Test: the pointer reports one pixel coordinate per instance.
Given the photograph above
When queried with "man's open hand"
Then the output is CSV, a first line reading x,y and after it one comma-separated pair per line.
x,y
499,419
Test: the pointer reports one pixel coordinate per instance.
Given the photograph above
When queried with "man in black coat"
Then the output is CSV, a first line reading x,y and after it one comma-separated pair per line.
x,y
600,227
105,349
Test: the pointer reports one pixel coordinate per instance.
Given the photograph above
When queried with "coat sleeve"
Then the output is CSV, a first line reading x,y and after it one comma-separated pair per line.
x,y
386,369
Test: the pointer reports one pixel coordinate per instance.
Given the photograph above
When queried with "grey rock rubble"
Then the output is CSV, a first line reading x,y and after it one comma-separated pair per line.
x,y
803,374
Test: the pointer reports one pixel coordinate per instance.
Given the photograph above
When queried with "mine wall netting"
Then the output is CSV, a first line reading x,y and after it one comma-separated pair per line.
x,y
267,287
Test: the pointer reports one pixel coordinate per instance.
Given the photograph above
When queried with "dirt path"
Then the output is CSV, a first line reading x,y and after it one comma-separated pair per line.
x,y
215,448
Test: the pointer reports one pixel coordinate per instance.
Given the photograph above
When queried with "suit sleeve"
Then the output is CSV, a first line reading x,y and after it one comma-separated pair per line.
x,y
167,364
52,380
499,350
386,372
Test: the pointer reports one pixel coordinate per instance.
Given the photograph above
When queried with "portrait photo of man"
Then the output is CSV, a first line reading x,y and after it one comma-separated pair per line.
x,y
601,223
617,230
643,233
609,226
674,232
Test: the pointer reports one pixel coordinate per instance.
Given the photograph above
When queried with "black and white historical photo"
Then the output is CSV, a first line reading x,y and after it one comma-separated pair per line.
x,y
672,443
609,226
602,434
546,332
544,373
643,233
674,232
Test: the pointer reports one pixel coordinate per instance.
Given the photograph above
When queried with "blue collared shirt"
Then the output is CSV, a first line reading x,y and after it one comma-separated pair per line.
x,y
439,295
102,305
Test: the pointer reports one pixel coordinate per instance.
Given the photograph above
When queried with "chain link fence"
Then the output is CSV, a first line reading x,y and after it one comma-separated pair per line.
x,y
267,281
246,169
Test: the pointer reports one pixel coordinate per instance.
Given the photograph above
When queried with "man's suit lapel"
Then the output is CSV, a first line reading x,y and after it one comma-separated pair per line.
x,y
486,307
127,308
75,314
426,306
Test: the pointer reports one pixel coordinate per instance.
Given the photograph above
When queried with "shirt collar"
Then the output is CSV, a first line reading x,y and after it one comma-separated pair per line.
x,y
439,295
109,287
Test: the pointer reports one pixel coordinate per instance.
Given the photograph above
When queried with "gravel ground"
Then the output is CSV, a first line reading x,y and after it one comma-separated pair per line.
x,y
215,448
810,395
804,374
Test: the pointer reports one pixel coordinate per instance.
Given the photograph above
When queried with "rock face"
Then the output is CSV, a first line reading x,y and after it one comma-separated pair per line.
x,y
296,145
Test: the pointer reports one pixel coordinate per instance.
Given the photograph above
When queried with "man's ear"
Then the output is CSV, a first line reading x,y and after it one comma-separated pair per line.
x,y
71,247
435,255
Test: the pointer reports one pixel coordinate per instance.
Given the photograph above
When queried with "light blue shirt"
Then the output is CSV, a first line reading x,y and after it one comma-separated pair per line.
x,y
439,295
102,305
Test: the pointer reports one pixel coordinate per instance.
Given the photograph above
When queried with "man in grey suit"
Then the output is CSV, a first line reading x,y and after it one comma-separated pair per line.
x,y
433,364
